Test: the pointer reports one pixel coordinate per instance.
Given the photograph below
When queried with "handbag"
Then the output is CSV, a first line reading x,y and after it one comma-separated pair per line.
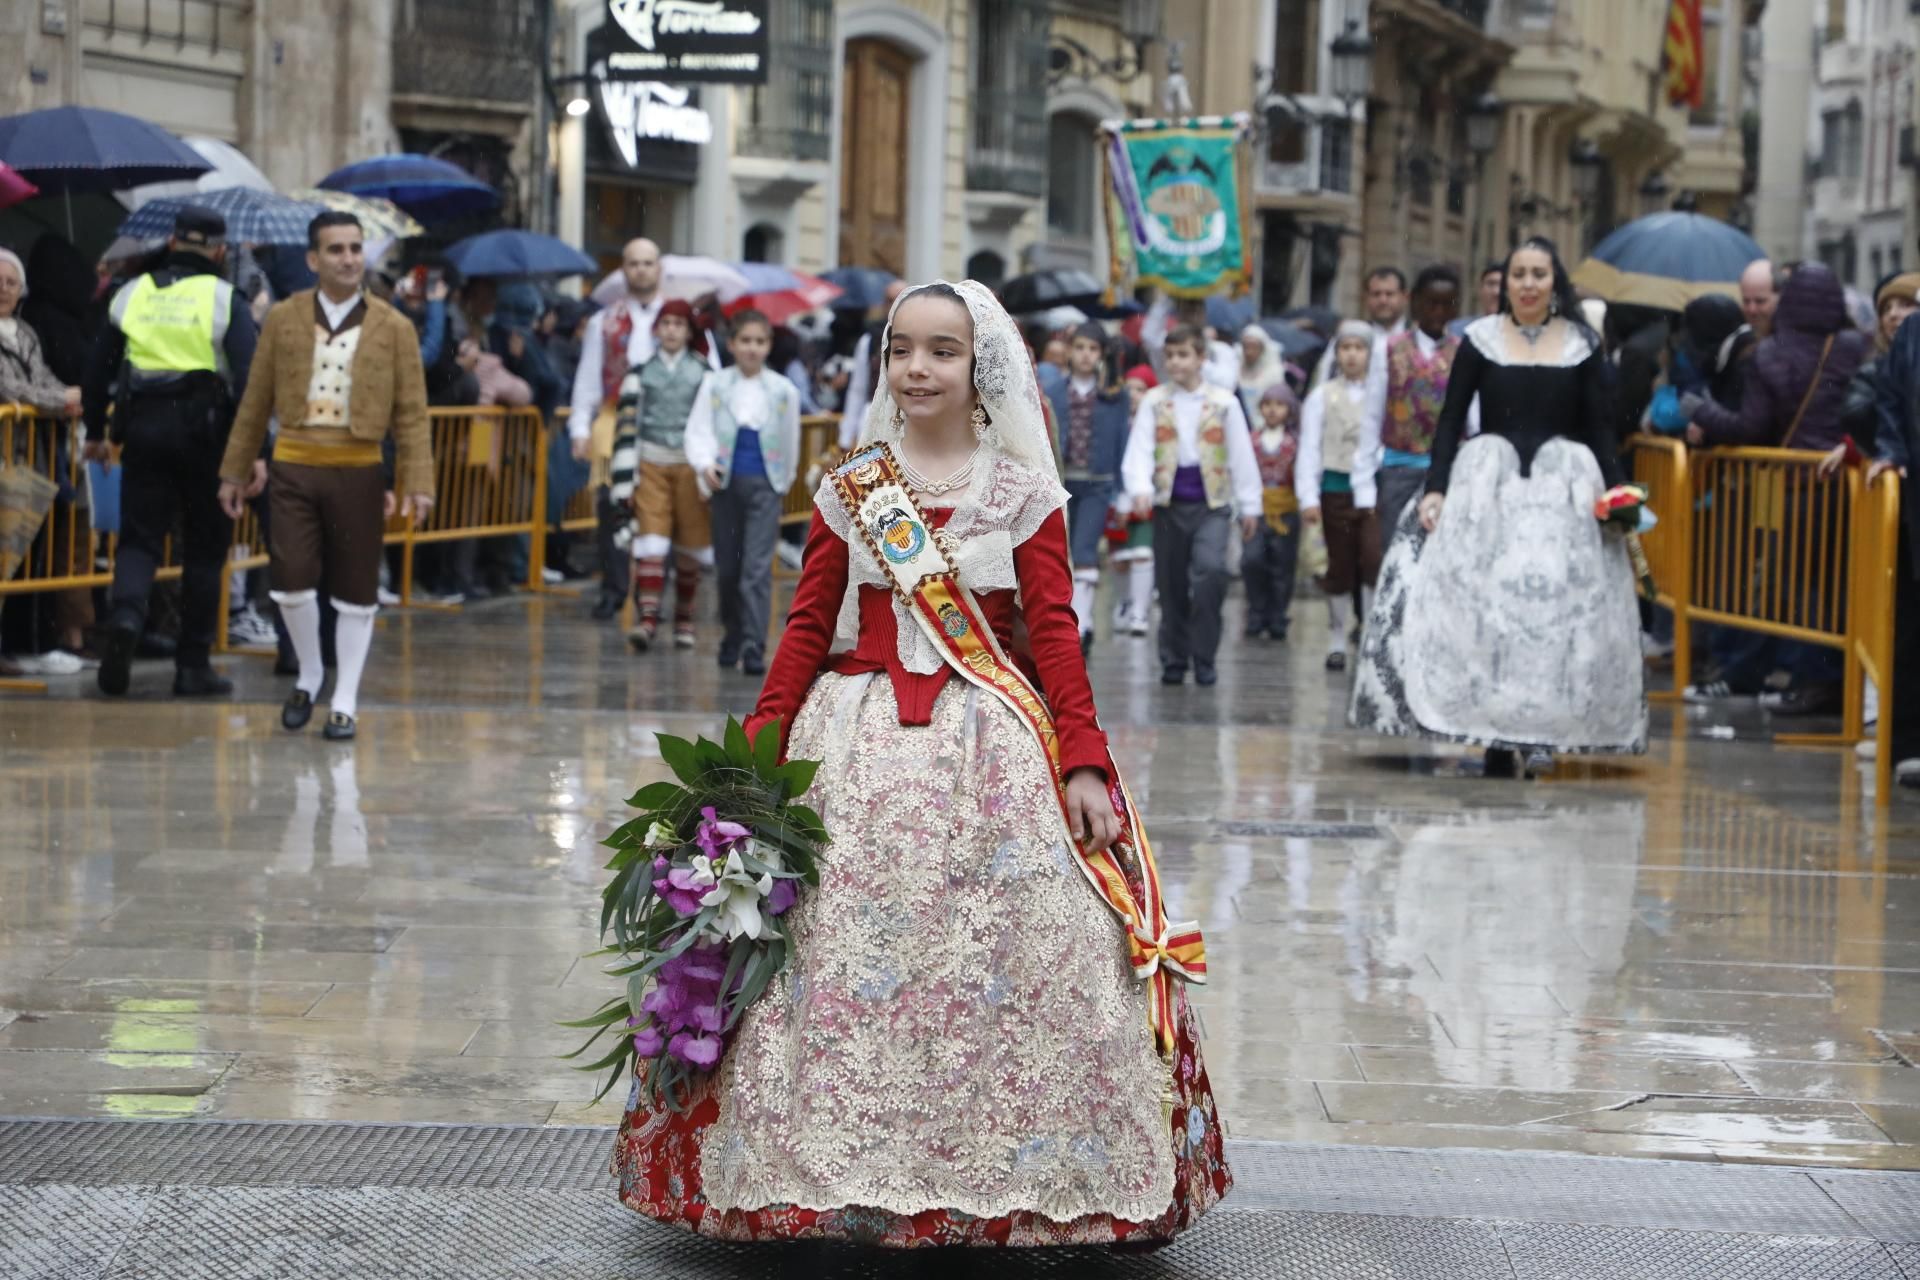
x,y
25,498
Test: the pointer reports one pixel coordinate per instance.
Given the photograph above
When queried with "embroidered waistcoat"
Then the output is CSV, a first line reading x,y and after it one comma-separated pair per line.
x,y
1276,464
666,398
1210,437
1340,436
773,446
1416,390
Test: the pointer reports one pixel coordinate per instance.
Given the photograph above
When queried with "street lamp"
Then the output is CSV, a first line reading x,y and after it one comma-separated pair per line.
x,y
1483,124
1586,161
1352,70
1653,193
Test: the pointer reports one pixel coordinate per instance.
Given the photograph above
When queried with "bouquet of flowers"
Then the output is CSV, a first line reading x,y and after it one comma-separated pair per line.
x,y
1624,509
696,911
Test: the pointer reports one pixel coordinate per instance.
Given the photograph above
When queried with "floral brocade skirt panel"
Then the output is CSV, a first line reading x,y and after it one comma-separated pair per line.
x,y
958,1052
1514,624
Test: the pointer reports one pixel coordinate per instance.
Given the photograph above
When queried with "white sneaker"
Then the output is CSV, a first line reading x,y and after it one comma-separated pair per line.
x,y
1867,749
1907,769
246,627
54,662
552,577
787,553
1651,648
386,597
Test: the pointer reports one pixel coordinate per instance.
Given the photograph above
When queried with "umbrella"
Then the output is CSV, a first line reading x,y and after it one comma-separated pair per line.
x,y
14,188
517,253
1229,315
88,149
431,190
682,276
253,217
379,219
861,288
781,293
230,169
1060,287
1324,321
1293,340
1667,260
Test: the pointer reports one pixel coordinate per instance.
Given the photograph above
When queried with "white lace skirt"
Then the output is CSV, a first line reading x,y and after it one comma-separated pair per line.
x,y
959,1029
1515,623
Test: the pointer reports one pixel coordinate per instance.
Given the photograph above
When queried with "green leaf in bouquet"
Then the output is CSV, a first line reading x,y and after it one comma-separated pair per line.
x,y
805,820
681,757
614,1077
620,1053
798,776
608,1013
766,963
735,963
655,797
739,750
766,749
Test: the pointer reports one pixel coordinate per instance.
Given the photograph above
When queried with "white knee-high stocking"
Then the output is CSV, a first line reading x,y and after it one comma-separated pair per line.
x,y
352,637
300,611
1140,587
1085,583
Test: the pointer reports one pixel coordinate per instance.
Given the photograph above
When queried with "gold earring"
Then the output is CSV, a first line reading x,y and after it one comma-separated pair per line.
x,y
899,418
979,420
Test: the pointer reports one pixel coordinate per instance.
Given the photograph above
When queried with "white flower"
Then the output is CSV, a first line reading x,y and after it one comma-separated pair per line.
x,y
661,836
738,894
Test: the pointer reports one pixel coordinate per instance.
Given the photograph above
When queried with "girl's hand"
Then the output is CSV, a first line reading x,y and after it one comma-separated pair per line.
x,y
1430,511
1836,457
1090,809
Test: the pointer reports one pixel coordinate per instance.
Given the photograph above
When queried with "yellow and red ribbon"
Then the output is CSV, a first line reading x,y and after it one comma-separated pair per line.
x,y
893,528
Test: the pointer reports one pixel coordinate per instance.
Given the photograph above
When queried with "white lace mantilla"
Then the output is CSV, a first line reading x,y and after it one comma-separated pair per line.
x,y
1493,338
1006,505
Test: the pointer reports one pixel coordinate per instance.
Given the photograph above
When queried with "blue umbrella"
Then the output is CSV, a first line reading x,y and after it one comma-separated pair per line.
x,y
1229,315
1667,260
253,217
518,253
88,149
862,288
429,189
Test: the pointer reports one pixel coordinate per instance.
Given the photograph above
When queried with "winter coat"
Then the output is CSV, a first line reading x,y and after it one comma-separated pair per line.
x,y
1812,309
61,307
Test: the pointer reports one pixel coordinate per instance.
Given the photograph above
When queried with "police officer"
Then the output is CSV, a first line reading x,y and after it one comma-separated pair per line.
x,y
177,351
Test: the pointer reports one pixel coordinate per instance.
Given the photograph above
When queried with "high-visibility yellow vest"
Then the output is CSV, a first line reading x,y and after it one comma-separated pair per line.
x,y
180,328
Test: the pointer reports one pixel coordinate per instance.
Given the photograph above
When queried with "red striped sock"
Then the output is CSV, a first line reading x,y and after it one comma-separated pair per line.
x,y
649,584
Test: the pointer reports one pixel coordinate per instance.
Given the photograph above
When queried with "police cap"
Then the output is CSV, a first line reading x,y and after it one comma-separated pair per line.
x,y
195,224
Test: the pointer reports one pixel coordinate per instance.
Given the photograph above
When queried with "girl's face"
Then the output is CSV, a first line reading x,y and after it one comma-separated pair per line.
x,y
1136,392
1275,413
1530,284
1891,314
1252,349
1352,355
1084,358
930,358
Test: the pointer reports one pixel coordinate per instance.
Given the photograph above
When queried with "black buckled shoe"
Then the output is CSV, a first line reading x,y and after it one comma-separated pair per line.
x,y
753,662
1173,675
339,727
296,710
116,660
200,682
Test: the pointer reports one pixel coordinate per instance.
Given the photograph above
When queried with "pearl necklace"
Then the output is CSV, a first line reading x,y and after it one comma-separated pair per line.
x,y
934,488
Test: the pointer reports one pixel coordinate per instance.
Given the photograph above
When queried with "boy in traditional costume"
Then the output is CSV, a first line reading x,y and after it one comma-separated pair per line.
x,y
1093,416
1419,361
1339,454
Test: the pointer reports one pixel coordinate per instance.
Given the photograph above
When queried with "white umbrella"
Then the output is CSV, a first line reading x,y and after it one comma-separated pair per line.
x,y
683,276
231,168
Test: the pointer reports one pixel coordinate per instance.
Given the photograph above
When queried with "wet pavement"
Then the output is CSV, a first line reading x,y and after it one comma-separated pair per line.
x,y
1710,953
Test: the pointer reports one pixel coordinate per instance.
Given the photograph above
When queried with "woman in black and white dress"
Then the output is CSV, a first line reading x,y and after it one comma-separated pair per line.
x,y
1505,615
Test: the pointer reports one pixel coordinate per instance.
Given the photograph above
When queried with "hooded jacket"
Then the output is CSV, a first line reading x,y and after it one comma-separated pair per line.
x,y
1788,365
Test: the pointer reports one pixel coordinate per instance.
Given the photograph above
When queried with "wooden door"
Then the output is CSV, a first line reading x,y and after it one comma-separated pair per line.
x,y
874,136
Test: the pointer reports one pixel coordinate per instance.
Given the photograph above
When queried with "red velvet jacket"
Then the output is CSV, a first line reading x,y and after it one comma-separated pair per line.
x,y
1053,633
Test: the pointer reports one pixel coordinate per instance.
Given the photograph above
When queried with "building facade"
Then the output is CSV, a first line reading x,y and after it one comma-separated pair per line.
x,y
1862,144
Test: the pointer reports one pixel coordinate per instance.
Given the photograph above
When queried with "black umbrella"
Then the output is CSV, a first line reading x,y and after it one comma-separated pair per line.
x,y
1293,340
1045,290
88,149
1323,319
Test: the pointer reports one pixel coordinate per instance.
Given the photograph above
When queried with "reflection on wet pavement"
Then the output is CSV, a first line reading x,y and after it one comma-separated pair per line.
x,y
1709,953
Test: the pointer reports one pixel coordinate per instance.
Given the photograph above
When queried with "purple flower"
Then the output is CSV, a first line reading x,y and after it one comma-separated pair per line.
x,y
660,865
716,837
705,1017
695,1051
647,1042
683,887
781,897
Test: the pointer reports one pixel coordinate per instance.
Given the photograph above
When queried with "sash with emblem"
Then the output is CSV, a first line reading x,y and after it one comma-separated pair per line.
x,y
895,531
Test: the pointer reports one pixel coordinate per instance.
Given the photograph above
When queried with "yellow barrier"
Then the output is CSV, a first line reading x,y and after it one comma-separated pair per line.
x,y
490,479
1758,539
1660,465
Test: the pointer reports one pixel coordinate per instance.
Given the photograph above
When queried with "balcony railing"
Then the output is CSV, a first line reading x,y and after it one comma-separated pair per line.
x,y
473,49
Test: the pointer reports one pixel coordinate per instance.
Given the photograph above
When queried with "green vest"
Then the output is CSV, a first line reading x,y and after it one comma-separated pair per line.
x,y
666,398
181,328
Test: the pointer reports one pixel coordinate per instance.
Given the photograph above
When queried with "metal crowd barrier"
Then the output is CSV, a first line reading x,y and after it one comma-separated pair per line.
x,y
1759,540
490,480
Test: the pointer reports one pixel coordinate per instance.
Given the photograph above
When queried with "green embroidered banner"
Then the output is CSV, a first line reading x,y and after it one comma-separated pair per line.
x,y
1178,205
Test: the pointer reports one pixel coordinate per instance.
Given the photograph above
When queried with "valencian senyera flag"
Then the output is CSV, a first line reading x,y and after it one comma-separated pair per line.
x,y
1686,74
1177,205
